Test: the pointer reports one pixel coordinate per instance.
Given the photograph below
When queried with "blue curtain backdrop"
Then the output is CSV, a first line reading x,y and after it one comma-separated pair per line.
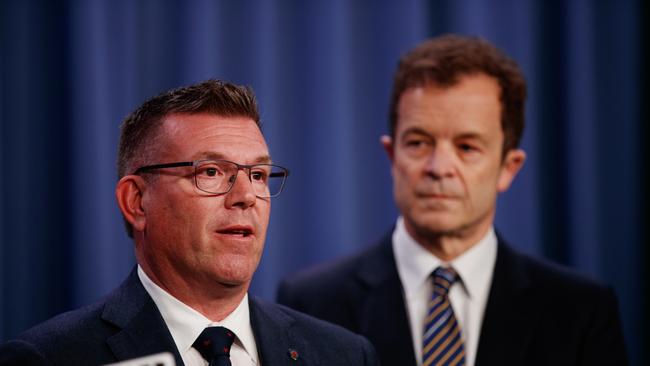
x,y
71,70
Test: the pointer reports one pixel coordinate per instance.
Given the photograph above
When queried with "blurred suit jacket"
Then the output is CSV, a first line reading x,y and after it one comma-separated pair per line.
x,y
127,324
537,313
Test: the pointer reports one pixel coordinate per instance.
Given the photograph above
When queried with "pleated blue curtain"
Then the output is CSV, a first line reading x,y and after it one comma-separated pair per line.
x,y
71,70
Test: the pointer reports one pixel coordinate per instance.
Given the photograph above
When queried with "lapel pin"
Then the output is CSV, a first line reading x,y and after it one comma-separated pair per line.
x,y
293,354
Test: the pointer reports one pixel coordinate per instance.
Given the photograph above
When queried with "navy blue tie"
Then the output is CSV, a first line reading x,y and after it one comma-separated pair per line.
x,y
214,345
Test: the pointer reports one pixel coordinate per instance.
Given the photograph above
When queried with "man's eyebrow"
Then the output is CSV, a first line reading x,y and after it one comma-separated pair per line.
x,y
264,159
471,136
462,136
414,131
211,155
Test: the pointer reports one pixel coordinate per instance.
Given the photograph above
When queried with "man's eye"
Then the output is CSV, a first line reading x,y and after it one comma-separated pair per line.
x,y
466,147
415,143
258,176
210,172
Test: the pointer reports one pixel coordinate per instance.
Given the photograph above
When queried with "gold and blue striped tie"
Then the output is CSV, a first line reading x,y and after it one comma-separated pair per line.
x,y
442,341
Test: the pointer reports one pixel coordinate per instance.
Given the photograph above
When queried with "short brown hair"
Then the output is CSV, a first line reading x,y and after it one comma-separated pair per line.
x,y
442,60
211,96
139,130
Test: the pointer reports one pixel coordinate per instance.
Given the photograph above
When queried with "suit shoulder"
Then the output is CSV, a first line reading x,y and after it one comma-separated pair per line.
x,y
76,329
18,352
546,274
70,322
336,271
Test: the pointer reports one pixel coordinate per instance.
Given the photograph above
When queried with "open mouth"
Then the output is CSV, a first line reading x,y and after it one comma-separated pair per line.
x,y
237,231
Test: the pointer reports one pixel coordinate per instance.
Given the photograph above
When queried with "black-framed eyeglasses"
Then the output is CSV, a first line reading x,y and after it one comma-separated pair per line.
x,y
218,176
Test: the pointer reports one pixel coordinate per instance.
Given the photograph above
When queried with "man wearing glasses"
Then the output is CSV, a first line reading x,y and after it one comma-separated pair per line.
x,y
195,189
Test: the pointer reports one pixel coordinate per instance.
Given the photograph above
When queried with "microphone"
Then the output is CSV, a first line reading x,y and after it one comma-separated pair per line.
x,y
158,359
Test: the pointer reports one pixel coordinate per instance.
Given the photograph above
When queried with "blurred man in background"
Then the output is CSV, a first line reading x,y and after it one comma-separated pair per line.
x,y
443,288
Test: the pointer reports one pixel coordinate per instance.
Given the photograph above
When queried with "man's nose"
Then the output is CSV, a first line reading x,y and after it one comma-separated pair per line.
x,y
242,193
441,162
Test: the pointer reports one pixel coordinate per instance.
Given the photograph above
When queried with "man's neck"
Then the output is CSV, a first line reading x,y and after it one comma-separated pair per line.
x,y
216,306
215,301
448,246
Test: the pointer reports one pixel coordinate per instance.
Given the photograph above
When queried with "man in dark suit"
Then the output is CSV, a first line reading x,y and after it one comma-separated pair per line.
x,y
195,189
443,288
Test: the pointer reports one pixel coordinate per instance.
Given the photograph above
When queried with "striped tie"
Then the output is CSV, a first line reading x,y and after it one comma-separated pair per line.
x,y
442,341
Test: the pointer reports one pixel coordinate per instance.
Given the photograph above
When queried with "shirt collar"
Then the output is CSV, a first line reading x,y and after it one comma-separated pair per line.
x,y
415,264
476,266
186,324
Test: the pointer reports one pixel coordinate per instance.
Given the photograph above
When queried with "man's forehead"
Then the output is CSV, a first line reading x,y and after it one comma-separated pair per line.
x,y
215,155
427,109
209,136
183,121
210,124
424,125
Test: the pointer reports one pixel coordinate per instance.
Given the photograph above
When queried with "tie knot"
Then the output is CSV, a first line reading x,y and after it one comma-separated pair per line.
x,y
214,342
443,278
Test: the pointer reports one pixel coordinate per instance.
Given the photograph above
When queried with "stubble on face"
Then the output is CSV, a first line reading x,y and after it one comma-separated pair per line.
x,y
197,245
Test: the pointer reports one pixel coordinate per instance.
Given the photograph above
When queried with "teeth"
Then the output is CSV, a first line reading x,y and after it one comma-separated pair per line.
x,y
238,232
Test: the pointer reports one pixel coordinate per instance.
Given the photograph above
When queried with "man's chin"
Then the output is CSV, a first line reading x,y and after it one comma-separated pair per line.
x,y
233,282
436,225
232,277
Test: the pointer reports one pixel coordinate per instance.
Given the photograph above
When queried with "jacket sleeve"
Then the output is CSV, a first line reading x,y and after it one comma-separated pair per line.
x,y
369,354
21,353
604,342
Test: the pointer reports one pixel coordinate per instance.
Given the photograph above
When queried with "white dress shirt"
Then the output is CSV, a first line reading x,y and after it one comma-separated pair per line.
x,y
468,296
185,324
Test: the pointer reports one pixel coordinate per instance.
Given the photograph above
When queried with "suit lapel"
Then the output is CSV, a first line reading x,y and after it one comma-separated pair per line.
x,y
273,336
383,317
143,330
510,315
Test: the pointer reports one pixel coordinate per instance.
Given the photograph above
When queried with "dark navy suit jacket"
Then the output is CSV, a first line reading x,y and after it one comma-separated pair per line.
x,y
127,324
537,313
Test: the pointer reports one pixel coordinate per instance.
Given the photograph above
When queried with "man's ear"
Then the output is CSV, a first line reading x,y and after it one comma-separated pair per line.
x,y
129,192
387,143
511,165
